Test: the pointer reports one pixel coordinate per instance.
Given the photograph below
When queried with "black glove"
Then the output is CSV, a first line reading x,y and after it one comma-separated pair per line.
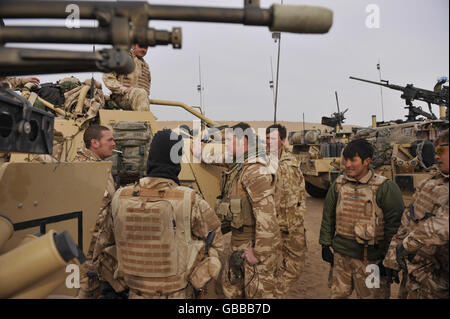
x,y
392,275
382,269
401,253
327,255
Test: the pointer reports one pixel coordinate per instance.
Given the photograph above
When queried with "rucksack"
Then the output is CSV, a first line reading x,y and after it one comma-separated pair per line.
x,y
133,140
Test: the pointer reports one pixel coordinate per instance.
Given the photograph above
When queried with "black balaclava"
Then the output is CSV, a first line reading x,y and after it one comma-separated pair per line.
x,y
159,163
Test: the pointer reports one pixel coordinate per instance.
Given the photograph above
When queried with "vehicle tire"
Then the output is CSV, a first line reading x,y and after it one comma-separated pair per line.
x,y
315,191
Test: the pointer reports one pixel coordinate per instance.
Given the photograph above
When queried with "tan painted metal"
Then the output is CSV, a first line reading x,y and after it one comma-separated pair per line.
x,y
38,258
187,108
6,230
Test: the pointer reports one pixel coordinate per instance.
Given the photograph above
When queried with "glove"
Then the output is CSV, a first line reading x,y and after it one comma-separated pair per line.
x,y
382,269
327,255
401,253
392,275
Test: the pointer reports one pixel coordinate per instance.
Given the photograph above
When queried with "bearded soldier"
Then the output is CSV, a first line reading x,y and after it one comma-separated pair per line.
x,y
247,204
131,91
168,238
290,200
361,213
99,144
420,246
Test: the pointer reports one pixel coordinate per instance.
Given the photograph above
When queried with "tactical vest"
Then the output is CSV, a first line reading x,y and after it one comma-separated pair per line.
x,y
430,195
235,206
139,78
358,216
153,236
133,140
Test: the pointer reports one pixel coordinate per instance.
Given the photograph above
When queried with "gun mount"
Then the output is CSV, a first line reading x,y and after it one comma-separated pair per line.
x,y
336,118
410,93
122,24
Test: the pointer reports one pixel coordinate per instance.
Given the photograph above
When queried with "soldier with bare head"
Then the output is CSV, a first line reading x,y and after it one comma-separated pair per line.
x,y
247,204
131,91
361,213
97,273
290,202
168,238
420,247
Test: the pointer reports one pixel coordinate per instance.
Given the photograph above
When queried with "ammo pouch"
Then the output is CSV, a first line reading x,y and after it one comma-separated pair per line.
x,y
365,233
236,266
231,211
206,270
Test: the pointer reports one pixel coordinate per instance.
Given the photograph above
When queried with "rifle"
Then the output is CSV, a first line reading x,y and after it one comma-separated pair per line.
x,y
410,93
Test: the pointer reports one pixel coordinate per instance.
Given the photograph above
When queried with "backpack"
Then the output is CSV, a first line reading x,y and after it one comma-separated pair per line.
x,y
133,140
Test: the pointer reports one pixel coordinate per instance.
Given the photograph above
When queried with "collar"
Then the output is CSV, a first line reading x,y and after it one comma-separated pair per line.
x,y
88,153
363,180
156,182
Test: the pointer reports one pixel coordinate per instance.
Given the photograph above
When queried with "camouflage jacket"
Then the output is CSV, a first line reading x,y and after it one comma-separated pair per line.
x,y
139,78
258,185
388,198
290,194
427,237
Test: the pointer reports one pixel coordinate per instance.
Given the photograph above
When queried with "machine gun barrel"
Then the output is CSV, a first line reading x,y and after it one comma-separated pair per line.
x,y
287,18
391,86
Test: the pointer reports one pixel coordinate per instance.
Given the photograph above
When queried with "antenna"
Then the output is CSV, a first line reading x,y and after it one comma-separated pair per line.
x,y
200,87
271,82
381,89
278,71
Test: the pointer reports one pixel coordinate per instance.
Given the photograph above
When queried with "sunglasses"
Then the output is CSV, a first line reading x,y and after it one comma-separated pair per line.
x,y
441,149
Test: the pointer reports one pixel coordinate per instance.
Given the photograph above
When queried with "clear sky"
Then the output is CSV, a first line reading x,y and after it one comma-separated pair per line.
x,y
411,42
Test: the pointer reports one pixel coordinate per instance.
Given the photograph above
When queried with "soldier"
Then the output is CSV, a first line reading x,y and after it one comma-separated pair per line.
x,y
131,91
99,144
361,213
423,235
290,202
161,228
247,203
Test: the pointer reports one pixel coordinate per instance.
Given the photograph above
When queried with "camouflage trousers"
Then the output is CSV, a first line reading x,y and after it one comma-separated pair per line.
x,y
90,286
135,100
294,249
350,274
426,284
258,281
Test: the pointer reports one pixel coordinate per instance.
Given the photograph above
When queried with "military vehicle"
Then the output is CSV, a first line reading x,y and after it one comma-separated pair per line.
x,y
319,152
36,261
404,150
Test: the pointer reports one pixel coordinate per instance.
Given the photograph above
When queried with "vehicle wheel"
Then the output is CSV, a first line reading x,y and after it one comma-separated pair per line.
x,y
315,191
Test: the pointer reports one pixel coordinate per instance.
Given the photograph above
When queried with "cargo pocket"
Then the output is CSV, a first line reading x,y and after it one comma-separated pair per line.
x,y
236,211
223,210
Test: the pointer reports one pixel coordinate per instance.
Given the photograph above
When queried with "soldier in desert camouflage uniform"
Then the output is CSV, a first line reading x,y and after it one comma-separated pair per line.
x,y
158,224
99,144
247,203
361,213
131,91
290,200
423,235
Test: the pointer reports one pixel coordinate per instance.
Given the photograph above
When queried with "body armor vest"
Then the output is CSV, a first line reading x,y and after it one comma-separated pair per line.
x,y
431,195
139,78
358,216
153,236
235,206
